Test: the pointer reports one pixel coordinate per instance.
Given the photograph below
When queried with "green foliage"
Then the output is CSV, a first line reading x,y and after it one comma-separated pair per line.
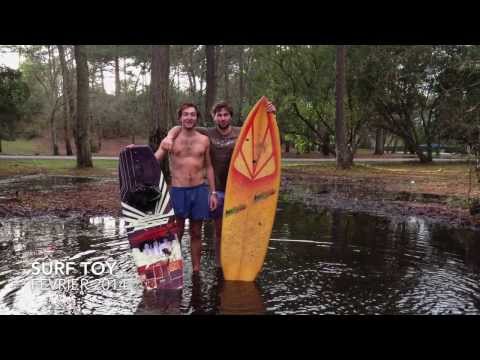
x,y
408,86
13,94
419,94
300,79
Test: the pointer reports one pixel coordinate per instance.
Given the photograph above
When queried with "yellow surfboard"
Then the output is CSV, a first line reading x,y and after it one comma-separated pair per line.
x,y
251,195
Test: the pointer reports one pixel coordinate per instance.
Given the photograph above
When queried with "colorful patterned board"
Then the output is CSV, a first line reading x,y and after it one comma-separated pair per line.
x,y
251,195
152,235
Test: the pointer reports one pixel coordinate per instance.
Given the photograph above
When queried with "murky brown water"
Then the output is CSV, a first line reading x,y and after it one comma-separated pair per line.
x,y
319,262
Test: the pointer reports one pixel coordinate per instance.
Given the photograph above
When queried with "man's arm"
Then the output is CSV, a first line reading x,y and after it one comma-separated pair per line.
x,y
160,153
167,143
173,134
211,178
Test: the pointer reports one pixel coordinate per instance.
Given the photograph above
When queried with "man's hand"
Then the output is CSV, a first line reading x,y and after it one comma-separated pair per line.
x,y
129,146
271,108
167,144
213,201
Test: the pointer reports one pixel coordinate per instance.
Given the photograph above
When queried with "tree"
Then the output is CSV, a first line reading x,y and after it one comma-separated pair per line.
x,y
403,83
226,73
379,142
41,66
299,79
84,156
13,94
344,158
159,95
211,80
67,98
241,82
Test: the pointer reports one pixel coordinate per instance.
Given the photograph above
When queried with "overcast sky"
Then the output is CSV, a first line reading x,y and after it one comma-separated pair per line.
x,y
11,60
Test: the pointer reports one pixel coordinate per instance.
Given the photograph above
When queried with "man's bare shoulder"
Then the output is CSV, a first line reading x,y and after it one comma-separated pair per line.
x,y
202,138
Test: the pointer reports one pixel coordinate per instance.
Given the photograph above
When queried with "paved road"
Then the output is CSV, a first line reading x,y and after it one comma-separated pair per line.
x,y
289,160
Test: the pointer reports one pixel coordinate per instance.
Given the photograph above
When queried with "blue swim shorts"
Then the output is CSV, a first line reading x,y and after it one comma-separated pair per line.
x,y
191,202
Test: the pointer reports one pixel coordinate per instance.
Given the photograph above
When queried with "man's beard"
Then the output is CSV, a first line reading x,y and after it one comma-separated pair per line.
x,y
223,127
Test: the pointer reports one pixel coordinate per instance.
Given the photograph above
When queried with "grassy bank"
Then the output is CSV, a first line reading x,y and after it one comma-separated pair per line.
x,y
445,179
451,179
20,147
43,146
56,167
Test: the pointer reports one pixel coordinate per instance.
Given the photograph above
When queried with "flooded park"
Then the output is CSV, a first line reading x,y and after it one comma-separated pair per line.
x,y
321,260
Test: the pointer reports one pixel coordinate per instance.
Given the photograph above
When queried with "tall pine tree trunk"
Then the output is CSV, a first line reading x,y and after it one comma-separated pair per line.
x,y
379,142
102,78
241,93
53,99
159,92
53,131
67,111
125,81
211,81
343,158
117,72
225,75
84,156
72,90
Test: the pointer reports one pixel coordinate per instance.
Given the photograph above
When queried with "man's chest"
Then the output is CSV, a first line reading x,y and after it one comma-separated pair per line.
x,y
222,143
185,147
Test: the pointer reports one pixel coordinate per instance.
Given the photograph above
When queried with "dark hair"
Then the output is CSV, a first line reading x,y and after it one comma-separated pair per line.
x,y
222,105
185,106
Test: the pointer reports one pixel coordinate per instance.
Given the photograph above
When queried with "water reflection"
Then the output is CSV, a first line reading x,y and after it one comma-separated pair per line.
x,y
241,298
160,302
318,262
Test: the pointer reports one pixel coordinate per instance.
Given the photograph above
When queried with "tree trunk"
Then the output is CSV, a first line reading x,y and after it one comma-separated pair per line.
x,y
171,115
117,72
191,73
102,78
241,84
340,130
67,111
53,132
95,133
379,142
159,92
1,150
429,151
84,156
325,147
100,134
93,76
125,81
72,91
421,156
225,75
211,82
414,149
53,96
394,146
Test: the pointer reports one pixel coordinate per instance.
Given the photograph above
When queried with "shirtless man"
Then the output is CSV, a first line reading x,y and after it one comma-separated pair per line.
x,y
222,142
191,198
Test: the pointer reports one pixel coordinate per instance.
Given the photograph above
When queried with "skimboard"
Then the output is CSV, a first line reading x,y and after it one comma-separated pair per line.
x,y
251,195
149,219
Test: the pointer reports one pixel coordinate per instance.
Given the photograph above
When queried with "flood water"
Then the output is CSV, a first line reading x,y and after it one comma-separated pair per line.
x,y
319,261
